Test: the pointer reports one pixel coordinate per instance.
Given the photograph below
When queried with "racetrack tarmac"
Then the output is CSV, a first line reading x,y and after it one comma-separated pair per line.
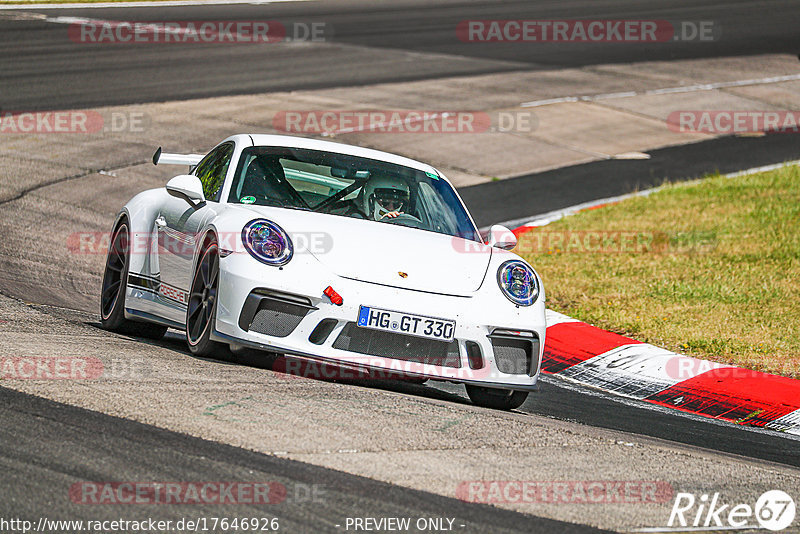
x,y
48,448
380,449
366,42
423,438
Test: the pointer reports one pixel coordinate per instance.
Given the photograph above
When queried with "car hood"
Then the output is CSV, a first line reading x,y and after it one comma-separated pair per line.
x,y
384,253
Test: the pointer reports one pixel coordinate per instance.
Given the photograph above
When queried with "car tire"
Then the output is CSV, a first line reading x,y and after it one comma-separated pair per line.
x,y
498,399
201,310
112,293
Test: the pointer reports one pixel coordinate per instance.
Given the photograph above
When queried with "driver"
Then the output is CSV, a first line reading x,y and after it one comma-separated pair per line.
x,y
384,197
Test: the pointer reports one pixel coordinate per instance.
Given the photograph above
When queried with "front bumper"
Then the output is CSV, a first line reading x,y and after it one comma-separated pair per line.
x,y
306,324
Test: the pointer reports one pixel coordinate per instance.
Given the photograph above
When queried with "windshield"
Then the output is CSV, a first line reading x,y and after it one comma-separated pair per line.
x,y
349,186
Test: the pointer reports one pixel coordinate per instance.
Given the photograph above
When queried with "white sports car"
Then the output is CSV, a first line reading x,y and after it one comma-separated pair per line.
x,y
330,253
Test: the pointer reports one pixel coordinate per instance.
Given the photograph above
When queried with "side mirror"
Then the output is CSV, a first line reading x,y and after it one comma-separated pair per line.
x,y
502,237
187,187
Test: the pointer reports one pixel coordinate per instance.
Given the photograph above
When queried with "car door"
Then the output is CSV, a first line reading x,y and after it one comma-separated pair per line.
x,y
178,225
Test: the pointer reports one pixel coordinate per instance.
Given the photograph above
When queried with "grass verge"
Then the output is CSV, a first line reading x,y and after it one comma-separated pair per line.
x,y
710,269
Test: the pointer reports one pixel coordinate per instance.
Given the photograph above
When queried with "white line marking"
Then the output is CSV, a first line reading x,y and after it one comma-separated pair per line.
x,y
549,101
631,155
166,3
765,168
789,423
662,91
638,371
607,96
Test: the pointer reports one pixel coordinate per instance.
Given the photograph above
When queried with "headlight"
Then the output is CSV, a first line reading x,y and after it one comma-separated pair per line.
x,y
267,242
518,282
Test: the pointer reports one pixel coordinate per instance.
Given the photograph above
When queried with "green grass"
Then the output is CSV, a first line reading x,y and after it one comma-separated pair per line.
x,y
710,269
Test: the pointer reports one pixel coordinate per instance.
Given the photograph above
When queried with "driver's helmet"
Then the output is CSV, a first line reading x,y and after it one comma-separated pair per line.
x,y
384,194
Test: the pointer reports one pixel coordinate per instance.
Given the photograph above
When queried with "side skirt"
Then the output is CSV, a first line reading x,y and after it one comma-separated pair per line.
x,y
151,318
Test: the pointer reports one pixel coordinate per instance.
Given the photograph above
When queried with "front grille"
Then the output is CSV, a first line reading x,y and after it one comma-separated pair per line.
x,y
515,355
398,346
277,318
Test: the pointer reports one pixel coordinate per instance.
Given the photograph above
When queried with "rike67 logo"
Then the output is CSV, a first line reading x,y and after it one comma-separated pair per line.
x,y
773,510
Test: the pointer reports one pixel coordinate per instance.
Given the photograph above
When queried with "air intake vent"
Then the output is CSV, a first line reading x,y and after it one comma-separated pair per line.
x,y
515,354
273,314
279,319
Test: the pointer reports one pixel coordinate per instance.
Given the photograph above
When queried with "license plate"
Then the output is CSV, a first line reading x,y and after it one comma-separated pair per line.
x,y
406,323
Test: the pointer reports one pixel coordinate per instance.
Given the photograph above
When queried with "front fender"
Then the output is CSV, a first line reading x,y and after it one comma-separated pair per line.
x,y
141,212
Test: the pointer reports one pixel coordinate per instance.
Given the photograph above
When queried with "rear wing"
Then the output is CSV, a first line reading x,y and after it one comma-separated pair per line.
x,y
176,159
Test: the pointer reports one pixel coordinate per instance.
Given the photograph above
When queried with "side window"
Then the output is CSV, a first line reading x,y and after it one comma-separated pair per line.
x,y
212,169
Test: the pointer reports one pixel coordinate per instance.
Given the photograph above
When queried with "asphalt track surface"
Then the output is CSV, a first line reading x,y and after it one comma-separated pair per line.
x,y
40,68
46,445
558,399
366,42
